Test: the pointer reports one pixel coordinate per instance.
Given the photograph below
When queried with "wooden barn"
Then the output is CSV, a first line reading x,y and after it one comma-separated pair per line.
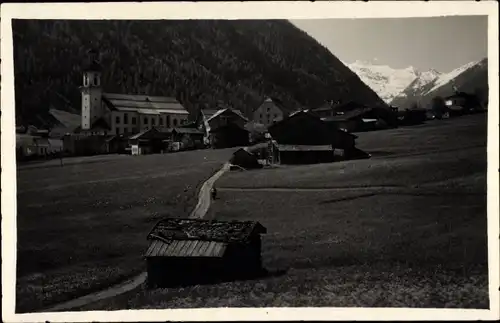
x,y
193,251
148,142
188,137
303,138
409,117
230,135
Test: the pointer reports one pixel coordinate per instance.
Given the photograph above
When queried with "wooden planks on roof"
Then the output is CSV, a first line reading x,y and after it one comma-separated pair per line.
x,y
186,248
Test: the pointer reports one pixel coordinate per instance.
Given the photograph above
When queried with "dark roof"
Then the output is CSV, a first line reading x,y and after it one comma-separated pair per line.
x,y
152,133
347,115
305,128
191,131
464,95
205,230
349,106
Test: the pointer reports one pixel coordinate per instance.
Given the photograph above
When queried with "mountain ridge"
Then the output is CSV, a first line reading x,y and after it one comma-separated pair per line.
x,y
386,81
470,77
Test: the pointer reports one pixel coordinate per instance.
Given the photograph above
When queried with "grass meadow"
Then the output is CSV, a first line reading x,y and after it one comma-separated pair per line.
x,y
82,227
406,228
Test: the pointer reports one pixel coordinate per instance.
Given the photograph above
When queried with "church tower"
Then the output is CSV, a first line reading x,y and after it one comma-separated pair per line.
x,y
91,91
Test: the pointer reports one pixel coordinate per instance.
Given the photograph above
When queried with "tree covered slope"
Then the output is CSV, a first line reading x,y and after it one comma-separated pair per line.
x,y
200,62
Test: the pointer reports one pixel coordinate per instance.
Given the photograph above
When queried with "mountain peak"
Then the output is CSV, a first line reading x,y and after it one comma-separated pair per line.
x,y
386,81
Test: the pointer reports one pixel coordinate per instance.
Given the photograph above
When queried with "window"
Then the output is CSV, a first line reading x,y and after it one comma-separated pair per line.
x,y
268,117
125,118
161,121
153,121
117,120
85,80
117,131
168,121
145,120
175,122
134,120
96,80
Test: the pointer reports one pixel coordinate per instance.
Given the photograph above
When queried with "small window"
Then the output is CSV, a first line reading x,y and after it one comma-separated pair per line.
x,y
117,120
153,122
161,121
96,80
125,118
134,120
117,131
168,121
175,122
145,120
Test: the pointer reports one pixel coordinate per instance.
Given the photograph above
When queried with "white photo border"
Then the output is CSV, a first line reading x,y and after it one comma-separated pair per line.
x,y
240,10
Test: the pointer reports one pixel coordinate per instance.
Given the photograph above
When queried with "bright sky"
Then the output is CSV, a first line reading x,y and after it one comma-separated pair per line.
x,y
442,43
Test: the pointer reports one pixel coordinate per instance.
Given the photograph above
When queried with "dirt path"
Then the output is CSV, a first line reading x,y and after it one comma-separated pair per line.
x,y
204,196
199,212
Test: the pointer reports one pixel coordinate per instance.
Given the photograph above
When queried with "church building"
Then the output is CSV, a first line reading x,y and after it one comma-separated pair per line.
x,y
123,114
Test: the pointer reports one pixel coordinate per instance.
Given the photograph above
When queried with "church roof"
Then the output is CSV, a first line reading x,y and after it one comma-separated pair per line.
x,y
144,104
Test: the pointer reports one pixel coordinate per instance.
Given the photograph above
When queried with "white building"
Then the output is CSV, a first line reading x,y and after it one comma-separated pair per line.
x,y
108,113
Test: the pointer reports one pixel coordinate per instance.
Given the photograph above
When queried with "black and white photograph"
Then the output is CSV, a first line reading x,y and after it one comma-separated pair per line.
x,y
260,160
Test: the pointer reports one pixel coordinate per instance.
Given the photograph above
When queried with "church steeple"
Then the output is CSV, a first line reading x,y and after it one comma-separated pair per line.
x,y
91,90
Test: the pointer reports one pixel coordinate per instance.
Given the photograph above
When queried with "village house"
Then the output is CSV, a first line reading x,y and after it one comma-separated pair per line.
x,y
303,138
226,128
270,111
151,141
462,103
187,137
193,251
29,146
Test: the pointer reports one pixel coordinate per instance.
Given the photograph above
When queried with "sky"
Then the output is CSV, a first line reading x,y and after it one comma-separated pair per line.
x,y
440,43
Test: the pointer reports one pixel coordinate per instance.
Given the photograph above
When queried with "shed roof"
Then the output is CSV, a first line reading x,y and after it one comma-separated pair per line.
x,y
186,248
205,230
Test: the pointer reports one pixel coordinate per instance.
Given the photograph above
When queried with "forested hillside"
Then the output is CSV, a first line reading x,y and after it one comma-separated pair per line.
x,y
199,62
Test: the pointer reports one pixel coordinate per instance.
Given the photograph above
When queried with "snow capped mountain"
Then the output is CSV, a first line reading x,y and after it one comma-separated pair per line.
x,y
471,77
386,81
445,78
422,83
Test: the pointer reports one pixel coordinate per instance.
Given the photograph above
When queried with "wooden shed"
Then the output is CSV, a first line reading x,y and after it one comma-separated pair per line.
x,y
193,251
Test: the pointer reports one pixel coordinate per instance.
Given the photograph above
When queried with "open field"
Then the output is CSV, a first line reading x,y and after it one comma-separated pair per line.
x,y
83,227
406,228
